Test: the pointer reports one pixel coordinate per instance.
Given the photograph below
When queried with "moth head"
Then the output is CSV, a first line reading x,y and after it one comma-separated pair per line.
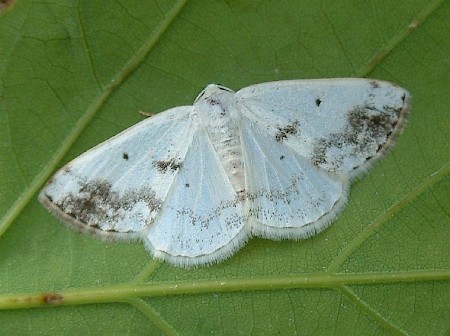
x,y
213,91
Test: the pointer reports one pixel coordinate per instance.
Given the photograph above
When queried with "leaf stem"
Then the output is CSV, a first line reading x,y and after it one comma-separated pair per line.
x,y
125,292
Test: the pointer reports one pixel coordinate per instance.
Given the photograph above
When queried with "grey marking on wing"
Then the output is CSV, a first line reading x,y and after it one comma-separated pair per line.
x,y
96,204
164,166
292,192
204,221
287,130
365,134
374,84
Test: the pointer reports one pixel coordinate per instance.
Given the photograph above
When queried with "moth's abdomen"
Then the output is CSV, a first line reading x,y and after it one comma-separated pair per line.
x,y
226,142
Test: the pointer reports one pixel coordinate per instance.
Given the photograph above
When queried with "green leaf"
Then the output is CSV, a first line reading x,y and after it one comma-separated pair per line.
x,y
74,73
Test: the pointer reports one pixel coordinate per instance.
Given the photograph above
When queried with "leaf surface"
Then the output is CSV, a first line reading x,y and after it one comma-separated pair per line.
x,y
74,73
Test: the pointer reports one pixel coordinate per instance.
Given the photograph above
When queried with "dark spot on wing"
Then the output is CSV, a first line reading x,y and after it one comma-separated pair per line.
x,y
164,166
211,101
98,206
289,129
282,157
187,185
374,84
241,194
373,125
367,132
125,156
319,157
318,102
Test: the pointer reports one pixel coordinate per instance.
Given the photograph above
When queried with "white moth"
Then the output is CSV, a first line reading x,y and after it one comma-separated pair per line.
x,y
273,160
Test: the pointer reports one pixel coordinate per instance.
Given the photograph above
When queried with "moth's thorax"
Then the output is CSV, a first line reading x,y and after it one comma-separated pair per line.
x,y
214,105
218,116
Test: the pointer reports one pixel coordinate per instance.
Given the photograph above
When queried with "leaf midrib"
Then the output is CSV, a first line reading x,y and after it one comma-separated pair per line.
x,y
123,292
396,39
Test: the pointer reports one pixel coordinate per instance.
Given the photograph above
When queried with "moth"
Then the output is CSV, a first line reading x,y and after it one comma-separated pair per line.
x,y
194,183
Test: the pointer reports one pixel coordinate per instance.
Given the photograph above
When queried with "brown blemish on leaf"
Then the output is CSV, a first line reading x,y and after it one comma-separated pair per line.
x,y
5,4
52,299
